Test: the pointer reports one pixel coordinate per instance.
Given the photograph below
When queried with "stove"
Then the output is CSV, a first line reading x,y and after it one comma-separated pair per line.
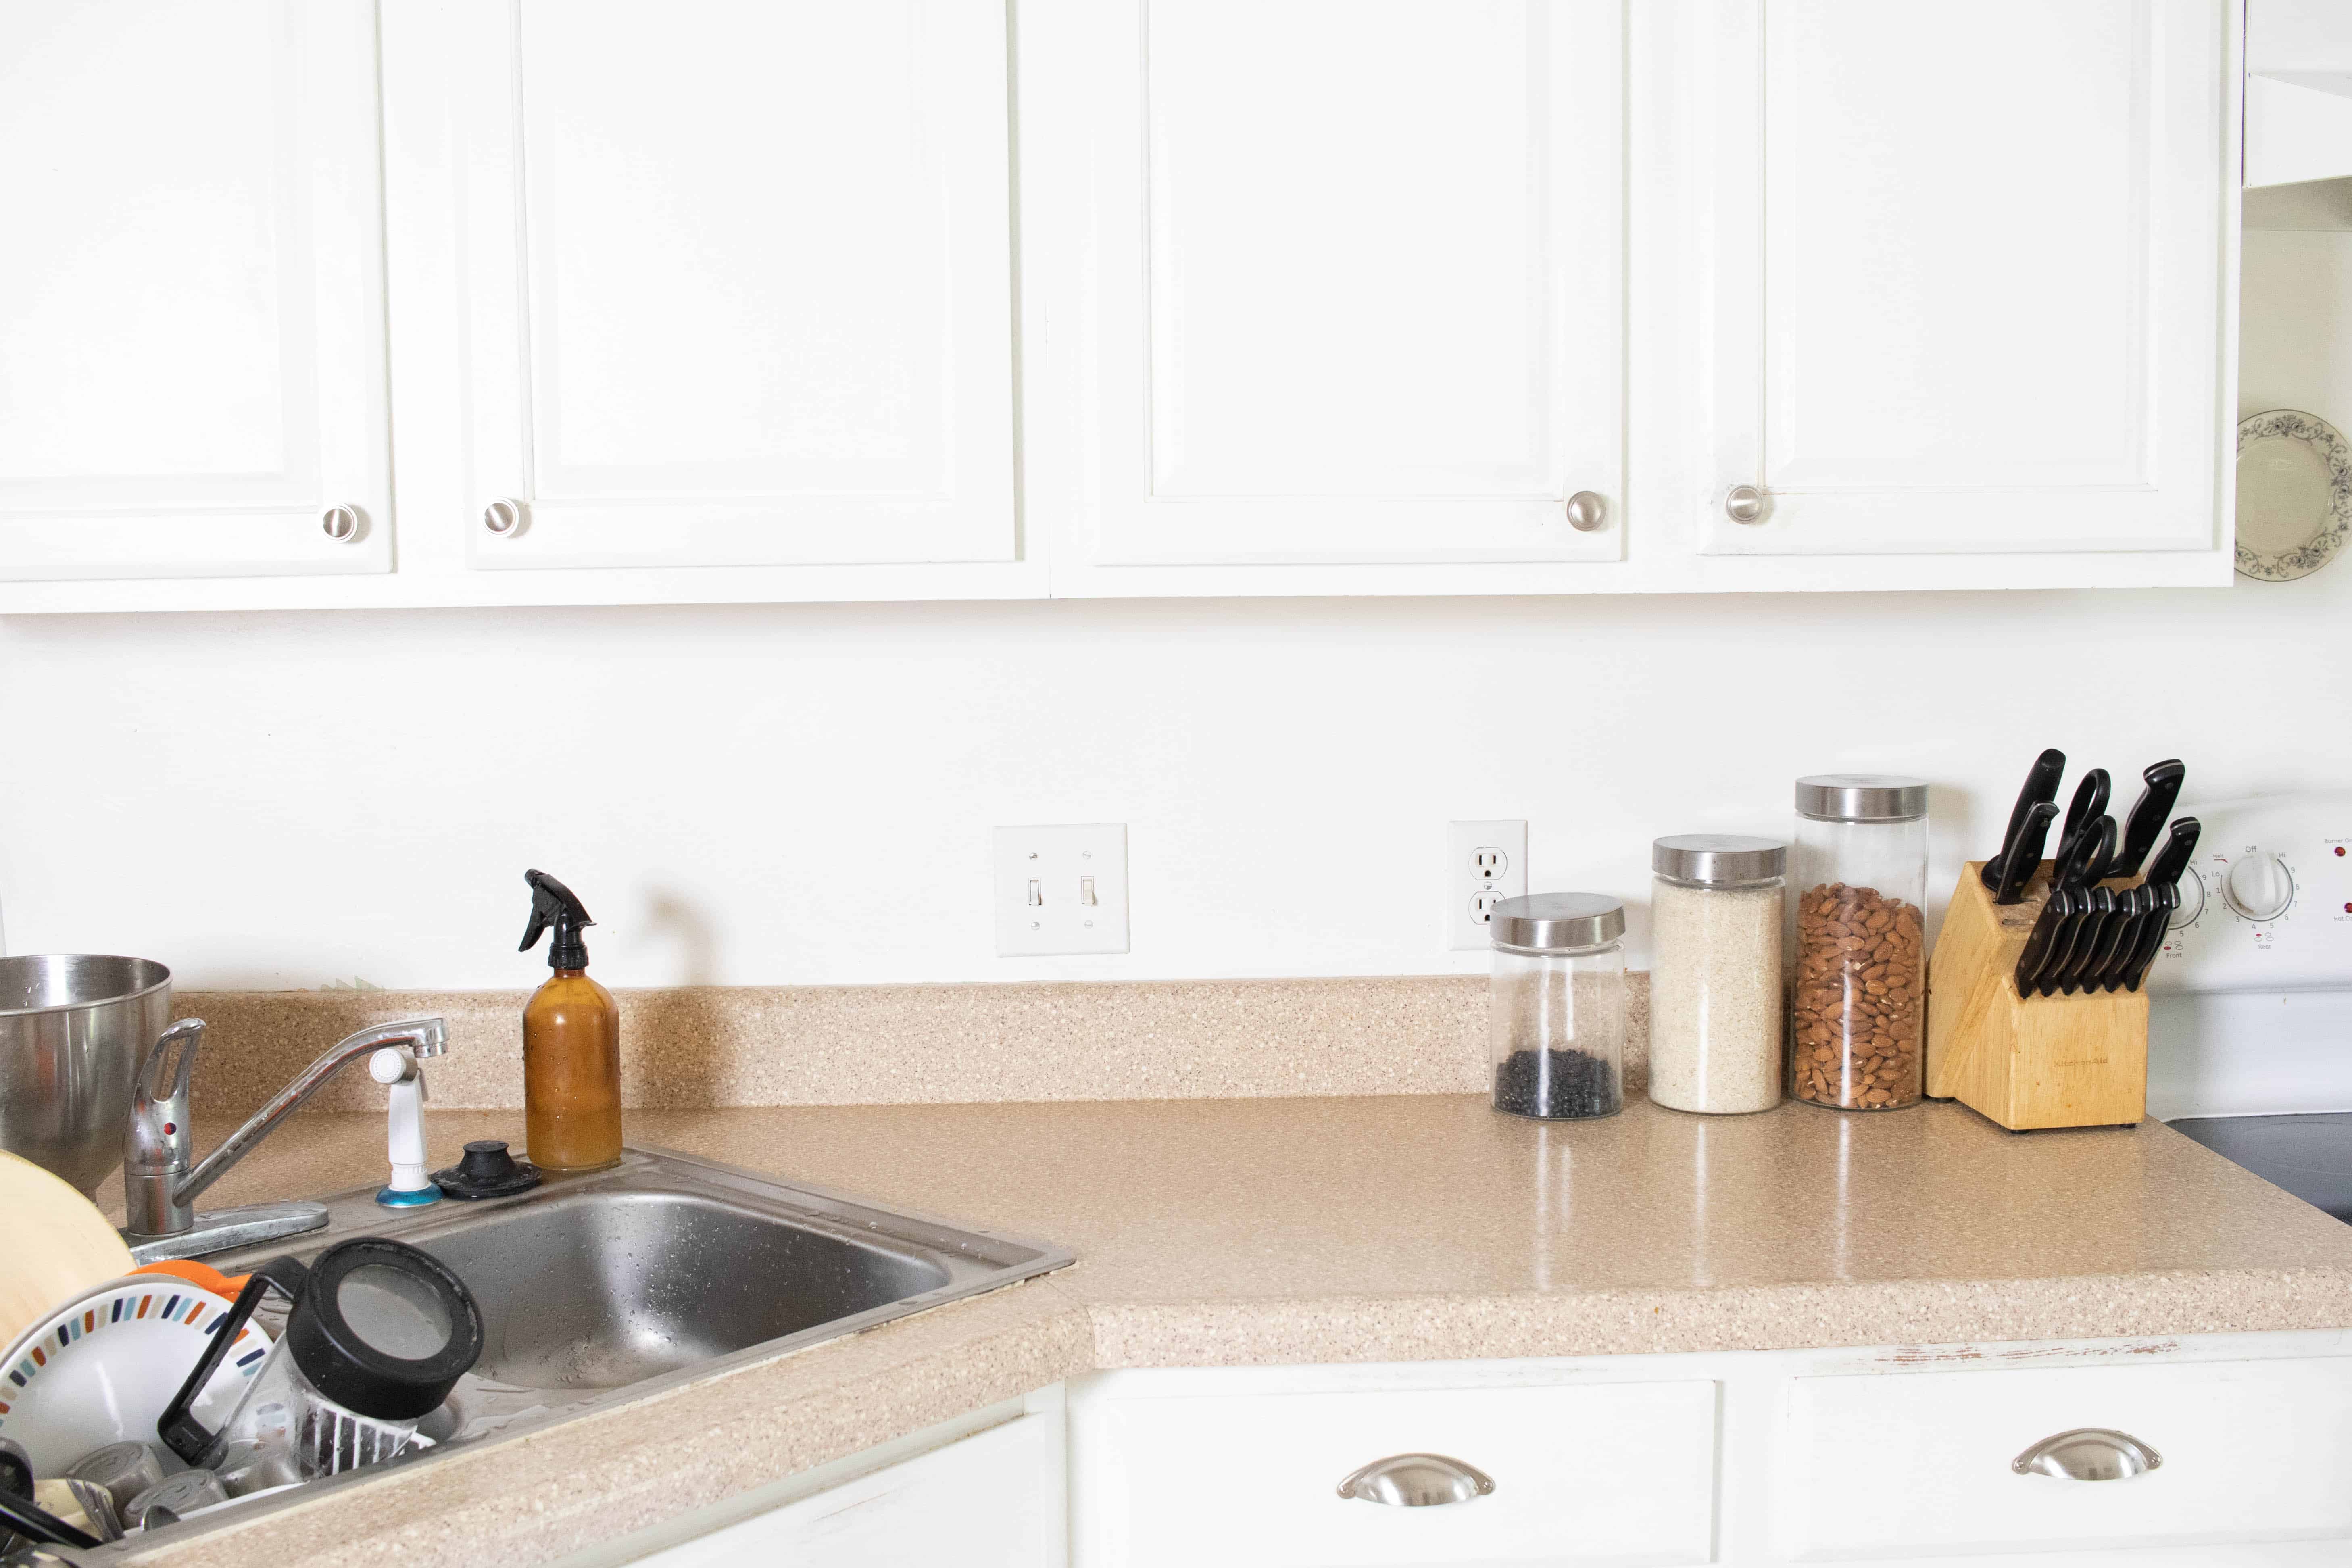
x,y
2250,1017
2308,1154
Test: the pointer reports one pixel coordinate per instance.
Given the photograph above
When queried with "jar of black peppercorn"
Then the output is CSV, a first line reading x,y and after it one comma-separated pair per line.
x,y
1556,1006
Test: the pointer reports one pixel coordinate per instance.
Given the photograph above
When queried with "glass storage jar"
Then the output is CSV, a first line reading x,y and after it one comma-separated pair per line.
x,y
1858,1001
1715,972
1556,1006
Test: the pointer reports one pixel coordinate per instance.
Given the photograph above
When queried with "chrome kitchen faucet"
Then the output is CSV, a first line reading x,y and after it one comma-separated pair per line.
x,y
158,1184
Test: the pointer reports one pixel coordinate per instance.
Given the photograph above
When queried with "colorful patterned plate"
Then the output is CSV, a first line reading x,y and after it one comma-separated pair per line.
x,y
101,1368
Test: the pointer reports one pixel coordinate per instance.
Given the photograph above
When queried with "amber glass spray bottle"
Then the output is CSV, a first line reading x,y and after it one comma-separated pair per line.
x,y
570,1044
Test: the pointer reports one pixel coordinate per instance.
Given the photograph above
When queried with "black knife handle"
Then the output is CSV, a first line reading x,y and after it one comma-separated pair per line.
x,y
2030,962
2041,785
2152,934
2172,860
2123,940
2145,826
2092,947
2090,800
2061,942
2022,855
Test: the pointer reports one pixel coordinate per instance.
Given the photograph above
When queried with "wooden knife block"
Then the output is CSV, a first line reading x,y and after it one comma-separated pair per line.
x,y
2044,1061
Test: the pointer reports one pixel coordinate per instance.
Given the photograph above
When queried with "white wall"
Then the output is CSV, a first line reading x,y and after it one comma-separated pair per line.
x,y
803,794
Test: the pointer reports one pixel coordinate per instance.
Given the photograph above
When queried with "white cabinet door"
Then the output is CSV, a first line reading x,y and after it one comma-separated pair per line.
x,y
992,1501
192,311
1966,272
1580,1474
737,280
2248,1450
1339,280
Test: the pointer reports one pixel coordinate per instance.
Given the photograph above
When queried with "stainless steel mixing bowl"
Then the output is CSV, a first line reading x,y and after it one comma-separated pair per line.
x,y
73,1028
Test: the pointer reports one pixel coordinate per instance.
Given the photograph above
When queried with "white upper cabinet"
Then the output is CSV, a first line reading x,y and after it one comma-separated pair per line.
x,y
734,281
1967,279
1332,281
697,300
192,307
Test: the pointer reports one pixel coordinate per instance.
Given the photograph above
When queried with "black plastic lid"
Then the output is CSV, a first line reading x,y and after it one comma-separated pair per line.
x,y
360,1366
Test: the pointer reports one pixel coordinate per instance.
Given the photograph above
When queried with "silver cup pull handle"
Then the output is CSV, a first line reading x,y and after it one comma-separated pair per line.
x,y
1417,1480
2088,1454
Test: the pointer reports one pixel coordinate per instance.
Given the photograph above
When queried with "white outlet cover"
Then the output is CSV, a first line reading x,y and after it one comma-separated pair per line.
x,y
1463,884
1062,861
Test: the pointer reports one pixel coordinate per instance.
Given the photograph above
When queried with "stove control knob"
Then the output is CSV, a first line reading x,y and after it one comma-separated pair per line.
x,y
2259,886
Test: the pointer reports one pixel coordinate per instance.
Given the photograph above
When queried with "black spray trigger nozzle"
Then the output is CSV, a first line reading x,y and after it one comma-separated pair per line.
x,y
554,904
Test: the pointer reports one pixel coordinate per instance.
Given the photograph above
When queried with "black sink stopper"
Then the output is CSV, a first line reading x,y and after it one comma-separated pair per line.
x,y
488,1170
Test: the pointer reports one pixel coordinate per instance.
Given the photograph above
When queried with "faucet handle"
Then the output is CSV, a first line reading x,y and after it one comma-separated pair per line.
x,y
157,1136
150,1083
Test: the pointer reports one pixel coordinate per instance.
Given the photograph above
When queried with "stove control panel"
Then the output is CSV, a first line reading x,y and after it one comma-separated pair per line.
x,y
2266,904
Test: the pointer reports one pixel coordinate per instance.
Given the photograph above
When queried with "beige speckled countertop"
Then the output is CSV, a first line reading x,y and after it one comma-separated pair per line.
x,y
1374,1228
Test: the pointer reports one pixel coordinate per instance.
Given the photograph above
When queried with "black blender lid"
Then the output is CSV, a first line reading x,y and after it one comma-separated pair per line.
x,y
382,1328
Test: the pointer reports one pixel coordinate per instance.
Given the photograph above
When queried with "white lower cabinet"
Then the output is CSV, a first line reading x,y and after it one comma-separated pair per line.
x,y
1894,1455
1897,1454
1583,1473
2251,1450
994,1500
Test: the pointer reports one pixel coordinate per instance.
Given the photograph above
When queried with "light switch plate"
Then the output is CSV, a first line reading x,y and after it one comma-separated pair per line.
x,y
1044,878
1484,861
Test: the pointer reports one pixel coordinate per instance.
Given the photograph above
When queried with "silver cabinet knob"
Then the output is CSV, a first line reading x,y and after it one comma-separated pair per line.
x,y
1417,1480
2088,1454
503,517
340,524
1586,511
1743,503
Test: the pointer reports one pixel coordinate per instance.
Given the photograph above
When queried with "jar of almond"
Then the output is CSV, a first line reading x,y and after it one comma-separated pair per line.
x,y
1858,992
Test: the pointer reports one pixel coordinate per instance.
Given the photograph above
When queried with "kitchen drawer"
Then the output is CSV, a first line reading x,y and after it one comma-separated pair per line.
x,y
1593,1473
1918,1465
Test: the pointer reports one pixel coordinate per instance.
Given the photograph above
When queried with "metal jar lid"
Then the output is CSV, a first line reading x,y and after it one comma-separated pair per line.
x,y
1552,922
1717,858
1862,797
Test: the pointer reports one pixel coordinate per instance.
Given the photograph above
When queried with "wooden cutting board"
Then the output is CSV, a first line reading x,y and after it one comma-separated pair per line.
x,y
57,1243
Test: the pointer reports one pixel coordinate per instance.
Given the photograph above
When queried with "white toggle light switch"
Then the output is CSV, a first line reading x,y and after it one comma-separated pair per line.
x,y
1061,889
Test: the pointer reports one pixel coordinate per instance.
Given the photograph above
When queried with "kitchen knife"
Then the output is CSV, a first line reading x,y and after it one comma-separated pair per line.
x,y
2089,850
2163,881
2090,800
2041,785
2122,940
2021,856
2172,860
2145,826
2062,943
2088,941
2041,939
2149,941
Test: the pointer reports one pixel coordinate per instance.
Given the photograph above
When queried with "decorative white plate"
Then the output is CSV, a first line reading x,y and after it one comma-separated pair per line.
x,y
2295,495
101,1369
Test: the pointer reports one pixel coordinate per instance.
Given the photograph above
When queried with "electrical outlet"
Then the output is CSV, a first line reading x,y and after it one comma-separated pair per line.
x,y
1061,889
1486,862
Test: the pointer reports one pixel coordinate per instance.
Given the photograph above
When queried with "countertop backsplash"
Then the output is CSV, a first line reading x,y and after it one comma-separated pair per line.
x,y
692,1047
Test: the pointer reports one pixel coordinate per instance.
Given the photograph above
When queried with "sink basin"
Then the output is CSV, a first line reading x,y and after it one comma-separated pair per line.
x,y
605,1287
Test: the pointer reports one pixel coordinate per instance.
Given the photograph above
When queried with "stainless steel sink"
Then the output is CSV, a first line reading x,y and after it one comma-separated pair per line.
x,y
605,1287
